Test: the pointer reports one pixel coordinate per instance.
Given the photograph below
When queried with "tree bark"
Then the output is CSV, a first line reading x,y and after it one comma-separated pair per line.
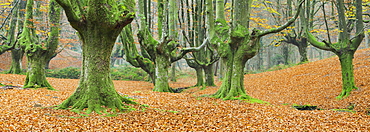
x,y
98,27
200,76
161,72
302,48
348,80
96,86
209,75
17,56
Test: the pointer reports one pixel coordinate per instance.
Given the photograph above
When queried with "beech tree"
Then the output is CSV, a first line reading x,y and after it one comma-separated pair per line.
x,y
296,35
236,44
157,54
345,47
98,22
37,51
203,61
17,52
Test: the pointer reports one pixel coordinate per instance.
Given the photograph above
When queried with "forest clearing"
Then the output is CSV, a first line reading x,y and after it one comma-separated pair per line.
x,y
316,83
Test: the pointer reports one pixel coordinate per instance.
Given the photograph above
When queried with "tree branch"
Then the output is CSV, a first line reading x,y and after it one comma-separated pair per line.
x,y
184,51
290,21
68,9
321,45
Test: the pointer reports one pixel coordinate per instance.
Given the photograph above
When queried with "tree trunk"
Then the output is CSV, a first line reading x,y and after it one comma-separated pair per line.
x,y
37,54
285,52
232,84
348,80
161,71
173,72
302,48
96,88
209,73
16,66
199,72
35,77
98,22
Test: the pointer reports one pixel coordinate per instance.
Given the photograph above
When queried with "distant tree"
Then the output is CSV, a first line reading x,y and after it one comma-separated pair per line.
x,y
346,46
203,61
235,44
158,54
98,22
17,52
37,51
295,36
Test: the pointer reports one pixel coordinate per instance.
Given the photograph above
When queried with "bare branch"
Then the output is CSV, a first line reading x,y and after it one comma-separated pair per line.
x,y
290,21
184,51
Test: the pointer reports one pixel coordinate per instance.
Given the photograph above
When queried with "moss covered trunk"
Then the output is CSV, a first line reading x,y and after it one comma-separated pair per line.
x,y
16,66
199,73
161,72
35,77
303,53
209,74
232,84
348,80
96,90
37,52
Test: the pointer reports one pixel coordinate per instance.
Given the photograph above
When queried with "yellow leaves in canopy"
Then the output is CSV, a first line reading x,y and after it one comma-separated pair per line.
x,y
5,4
271,10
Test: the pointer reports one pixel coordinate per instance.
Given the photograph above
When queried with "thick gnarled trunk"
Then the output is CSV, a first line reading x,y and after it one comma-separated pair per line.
x,y
35,77
96,90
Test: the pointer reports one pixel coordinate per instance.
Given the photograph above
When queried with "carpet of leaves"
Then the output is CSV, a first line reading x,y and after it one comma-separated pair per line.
x,y
316,83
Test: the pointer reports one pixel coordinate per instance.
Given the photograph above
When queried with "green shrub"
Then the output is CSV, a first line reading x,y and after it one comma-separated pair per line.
x,y
66,73
128,73
119,73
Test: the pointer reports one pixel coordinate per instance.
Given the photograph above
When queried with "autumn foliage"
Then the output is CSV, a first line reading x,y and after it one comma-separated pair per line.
x,y
316,83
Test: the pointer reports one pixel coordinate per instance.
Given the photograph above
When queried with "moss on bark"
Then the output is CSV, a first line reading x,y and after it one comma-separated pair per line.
x,y
37,52
209,73
98,27
348,80
17,56
161,72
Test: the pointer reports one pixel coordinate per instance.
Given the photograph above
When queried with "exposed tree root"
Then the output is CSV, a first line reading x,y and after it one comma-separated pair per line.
x,y
105,103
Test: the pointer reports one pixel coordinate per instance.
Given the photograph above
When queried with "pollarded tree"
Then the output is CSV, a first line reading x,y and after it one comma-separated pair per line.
x,y
17,52
345,47
132,53
98,22
159,54
202,61
235,44
37,52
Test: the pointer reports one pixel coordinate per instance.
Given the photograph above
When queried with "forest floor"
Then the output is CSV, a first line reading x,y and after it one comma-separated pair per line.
x,y
316,83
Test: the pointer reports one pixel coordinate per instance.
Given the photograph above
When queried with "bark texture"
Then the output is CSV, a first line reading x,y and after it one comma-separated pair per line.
x,y
98,23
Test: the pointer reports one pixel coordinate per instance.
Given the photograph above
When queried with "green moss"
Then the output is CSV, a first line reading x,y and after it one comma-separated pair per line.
x,y
239,32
